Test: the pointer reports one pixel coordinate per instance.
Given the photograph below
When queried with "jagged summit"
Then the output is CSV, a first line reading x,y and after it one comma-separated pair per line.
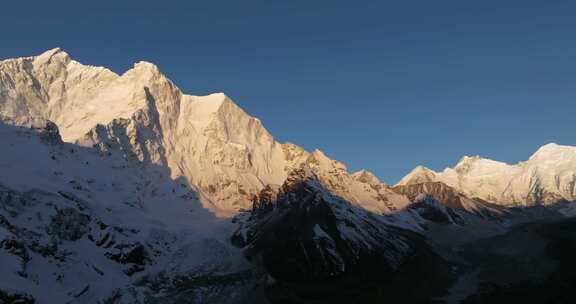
x,y
208,139
224,152
78,97
51,52
56,54
227,155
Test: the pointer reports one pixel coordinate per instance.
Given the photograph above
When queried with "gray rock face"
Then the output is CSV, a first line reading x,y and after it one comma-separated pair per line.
x,y
308,241
69,224
449,197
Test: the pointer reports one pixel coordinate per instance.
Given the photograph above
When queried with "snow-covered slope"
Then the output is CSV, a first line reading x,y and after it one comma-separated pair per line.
x,y
81,226
225,154
548,176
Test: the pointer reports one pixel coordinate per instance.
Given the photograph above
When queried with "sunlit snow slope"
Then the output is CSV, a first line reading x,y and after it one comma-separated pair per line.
x,y
225,154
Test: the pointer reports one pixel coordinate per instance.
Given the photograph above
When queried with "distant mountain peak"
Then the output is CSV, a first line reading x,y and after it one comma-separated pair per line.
x,y
365,176
145,67
53,53
466,159
318,160
420,174
548,176
553,151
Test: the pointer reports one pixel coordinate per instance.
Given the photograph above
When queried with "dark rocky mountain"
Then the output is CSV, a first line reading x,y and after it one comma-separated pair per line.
x,y
438,202
318,248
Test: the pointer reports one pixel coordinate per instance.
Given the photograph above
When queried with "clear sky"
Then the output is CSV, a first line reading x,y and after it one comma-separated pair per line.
x,y
383,85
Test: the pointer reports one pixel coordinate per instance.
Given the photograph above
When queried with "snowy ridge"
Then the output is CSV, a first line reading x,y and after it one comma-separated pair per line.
x,y
547,177
225,154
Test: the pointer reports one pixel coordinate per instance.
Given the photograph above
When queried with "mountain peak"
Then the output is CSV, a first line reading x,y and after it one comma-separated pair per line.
x,y
146,66
466,159
421,168
418,175
147,72
322,162
467,163
365,176
319,154
553,151
53,54
201,110
546,150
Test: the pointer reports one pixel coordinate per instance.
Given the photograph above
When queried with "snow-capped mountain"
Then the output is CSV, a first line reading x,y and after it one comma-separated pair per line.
x,y
547,177
127,183
227,155
123,189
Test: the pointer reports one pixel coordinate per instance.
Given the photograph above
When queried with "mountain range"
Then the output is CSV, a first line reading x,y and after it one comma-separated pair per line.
x,y
123,189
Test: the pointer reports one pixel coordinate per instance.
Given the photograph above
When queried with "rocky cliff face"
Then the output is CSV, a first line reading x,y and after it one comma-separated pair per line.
x,y
316,245
448,196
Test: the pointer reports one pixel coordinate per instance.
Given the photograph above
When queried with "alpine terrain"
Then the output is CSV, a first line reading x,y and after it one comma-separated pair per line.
x,y
123,189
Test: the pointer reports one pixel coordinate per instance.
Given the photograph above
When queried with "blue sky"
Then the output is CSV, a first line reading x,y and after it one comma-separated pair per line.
x,y
383,85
